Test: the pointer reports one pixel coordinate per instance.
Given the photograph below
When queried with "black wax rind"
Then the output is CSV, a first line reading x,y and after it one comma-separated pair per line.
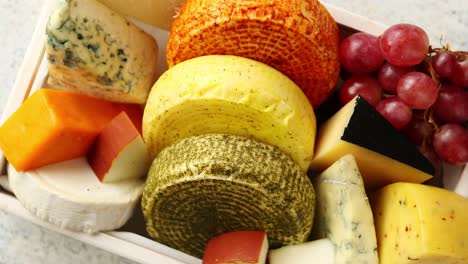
x,y
367,128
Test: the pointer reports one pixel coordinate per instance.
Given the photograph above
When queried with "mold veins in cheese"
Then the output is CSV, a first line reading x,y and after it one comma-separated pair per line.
x,y
229,95
297,37
70,196
383,154
344,214
93,50
204,186
416,223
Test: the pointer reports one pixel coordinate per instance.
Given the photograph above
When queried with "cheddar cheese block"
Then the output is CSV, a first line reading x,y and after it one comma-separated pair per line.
x,y
383,155
344,214
93,50
229,95
416,223
204,186
52,126
297,37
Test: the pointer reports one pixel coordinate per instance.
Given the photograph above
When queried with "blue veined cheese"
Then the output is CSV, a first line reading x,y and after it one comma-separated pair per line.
x,y
343,213
93,50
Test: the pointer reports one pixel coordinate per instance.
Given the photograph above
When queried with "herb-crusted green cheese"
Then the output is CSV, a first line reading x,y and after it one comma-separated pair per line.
x,y
344,214
203,186
93,50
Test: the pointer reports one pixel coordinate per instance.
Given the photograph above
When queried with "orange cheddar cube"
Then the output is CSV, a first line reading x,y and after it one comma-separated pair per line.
x,y
53,126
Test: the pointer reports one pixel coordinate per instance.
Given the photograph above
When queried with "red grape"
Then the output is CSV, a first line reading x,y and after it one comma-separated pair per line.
x,y
417,90
417,130
452,104
451,143
459,74
395,111
443,63
360,53
404,45
390,74
366,86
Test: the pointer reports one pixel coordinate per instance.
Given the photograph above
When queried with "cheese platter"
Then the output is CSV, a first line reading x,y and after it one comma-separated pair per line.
x,y
118,225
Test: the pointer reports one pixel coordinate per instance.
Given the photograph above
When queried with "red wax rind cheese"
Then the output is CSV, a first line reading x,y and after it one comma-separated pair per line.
x,y
119,133
53,126
237,247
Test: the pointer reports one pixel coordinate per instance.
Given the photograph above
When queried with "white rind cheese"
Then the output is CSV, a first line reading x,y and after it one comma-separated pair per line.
x,y
319,251
68,194
343,213
93,50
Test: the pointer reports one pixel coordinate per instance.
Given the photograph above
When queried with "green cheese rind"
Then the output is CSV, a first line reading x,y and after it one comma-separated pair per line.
x,y
343,213
206,185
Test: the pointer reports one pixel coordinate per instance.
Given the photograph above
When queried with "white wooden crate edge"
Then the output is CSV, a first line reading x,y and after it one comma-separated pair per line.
x,y
31,76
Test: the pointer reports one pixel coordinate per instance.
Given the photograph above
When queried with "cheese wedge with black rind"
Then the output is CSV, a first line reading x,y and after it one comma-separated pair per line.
x,y
383,154
203,186
230,95
69,195
344,214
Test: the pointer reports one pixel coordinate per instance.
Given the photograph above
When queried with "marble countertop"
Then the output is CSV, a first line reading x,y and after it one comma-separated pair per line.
x,y
23,242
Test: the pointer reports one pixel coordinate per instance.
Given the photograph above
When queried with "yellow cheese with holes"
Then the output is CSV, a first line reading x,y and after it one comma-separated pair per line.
x,y
417,223
158,13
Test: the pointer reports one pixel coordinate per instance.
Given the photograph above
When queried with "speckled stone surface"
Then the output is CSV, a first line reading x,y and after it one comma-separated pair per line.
x,y
23,242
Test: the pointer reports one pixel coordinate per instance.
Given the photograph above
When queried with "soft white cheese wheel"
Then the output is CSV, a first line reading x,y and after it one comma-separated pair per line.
x,y
68,194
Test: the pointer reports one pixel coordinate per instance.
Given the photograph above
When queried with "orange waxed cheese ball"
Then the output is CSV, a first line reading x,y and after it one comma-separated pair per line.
x,y
53,126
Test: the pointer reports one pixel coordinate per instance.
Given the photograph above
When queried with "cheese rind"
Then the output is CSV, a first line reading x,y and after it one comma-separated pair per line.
x,y
69,195
343,213
383,154
207,185
320,251
119,152
416,223
230,95
297,37
93,50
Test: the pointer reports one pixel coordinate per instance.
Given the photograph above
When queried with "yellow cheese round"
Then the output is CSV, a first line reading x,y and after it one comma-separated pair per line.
x,y
230,95
203,186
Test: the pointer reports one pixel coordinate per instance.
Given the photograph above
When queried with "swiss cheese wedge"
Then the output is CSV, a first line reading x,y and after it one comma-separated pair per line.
x,y
231,95
297,37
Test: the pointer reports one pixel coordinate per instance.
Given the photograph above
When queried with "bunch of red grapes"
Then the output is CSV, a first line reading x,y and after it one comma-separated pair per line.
x,y
421,91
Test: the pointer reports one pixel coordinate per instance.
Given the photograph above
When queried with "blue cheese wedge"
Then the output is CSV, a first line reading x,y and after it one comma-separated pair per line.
x,y
93,50
343,213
